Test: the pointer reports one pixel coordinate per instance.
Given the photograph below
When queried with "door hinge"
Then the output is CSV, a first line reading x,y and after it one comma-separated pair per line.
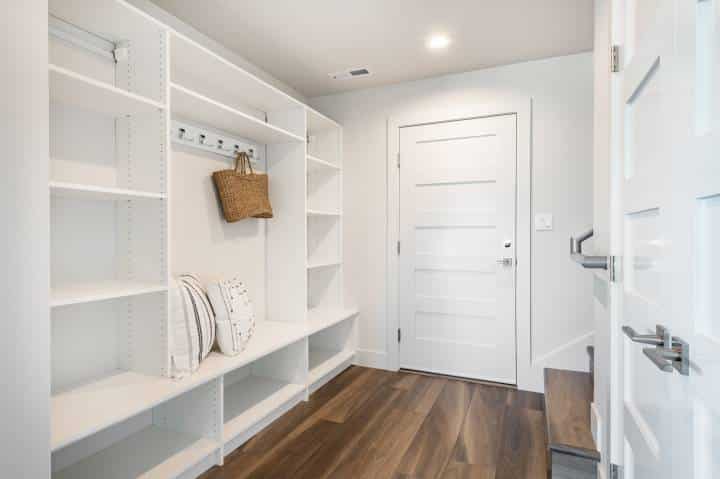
x,y
615,471
615,58
398,248
399,335
614,264
398,160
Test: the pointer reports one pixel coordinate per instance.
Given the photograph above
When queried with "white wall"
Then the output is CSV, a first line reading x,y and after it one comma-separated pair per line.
x,y
24,242
562,93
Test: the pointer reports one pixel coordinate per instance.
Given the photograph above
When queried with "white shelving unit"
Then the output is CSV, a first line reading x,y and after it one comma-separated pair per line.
x,y
313,212
258,393
316,164
331,350
101,291
321,319
324,361
191,106
130,209
200,69
332,331
152,452
91,192
324,264
80,91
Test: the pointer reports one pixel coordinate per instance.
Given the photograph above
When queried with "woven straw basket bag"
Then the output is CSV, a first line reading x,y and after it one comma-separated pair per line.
x,y
243,193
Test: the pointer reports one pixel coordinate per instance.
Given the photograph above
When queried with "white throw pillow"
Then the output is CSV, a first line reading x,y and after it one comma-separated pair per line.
x,y
192,325
234,315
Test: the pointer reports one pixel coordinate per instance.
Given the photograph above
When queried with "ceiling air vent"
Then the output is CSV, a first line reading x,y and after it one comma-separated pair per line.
x,y
352,73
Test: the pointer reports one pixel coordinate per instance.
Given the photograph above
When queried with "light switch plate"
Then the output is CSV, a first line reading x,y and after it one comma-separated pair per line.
x,y
543,222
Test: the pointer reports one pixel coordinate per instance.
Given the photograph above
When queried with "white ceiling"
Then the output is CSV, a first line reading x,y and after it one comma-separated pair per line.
x,y
300,42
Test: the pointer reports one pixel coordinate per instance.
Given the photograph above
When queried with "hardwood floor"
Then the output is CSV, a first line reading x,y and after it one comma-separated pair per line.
x,y
370,424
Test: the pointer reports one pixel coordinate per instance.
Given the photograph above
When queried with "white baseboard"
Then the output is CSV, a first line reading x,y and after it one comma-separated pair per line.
x,y
371,359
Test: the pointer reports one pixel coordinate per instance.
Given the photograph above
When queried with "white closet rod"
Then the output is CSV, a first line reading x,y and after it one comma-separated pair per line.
x,y
90,42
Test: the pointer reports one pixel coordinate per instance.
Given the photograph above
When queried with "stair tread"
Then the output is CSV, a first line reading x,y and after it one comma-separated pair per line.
x,y
568,395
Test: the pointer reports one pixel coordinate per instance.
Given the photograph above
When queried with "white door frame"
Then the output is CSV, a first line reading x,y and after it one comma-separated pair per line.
x,y
522,107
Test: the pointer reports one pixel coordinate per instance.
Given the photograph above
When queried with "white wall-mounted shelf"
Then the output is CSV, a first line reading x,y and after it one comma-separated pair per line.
x,y
74,89
324,361
321,319
324,264
252,399
100,291
192,106
318,165
205,71
151,452
90,192
83,411
314,212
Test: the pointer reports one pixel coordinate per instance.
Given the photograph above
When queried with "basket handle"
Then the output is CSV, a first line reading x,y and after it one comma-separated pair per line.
x,y
243,163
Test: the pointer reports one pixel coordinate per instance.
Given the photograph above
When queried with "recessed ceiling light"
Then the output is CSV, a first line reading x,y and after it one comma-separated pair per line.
x,y
438,41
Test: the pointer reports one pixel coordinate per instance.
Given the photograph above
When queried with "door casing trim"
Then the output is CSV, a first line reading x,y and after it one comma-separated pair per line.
x,y
522,108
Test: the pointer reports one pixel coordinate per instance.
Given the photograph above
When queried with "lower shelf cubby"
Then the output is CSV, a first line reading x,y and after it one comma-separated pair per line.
x,y
95,341
327,363
177,439
330,352
257,394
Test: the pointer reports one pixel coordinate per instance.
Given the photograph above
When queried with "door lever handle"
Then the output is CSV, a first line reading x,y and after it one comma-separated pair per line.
x,y
586,261
669,351
653,339
504,261
661,358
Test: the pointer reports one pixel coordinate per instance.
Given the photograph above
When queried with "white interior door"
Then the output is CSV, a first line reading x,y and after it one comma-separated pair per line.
x,y
457,261
669,215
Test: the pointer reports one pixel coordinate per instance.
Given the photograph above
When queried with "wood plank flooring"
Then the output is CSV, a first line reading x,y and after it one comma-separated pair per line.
x,y
370,424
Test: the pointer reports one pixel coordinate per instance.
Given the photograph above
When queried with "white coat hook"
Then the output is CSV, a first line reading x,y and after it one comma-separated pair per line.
x,y
211,141
202,139
183,135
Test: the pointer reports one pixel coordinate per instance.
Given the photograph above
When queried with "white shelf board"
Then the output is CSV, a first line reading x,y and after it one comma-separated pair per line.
x,y
322,361
203,70
269,336
314,212
72,190
81,412
77,90
316,164
253,398
112,20
101,290
320,319
149,453
196,108
317,122
323,264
